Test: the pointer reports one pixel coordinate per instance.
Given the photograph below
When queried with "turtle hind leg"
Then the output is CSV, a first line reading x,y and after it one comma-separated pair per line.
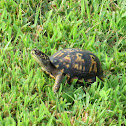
x,y
58,80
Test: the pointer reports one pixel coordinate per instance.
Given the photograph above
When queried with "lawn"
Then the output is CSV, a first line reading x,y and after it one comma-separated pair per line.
x,y
26,96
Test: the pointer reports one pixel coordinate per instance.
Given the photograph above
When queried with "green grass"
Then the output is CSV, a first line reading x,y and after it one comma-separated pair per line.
x,y
26,96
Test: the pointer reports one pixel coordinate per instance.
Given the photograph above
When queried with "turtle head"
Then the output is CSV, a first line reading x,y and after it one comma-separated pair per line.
x,y
41,58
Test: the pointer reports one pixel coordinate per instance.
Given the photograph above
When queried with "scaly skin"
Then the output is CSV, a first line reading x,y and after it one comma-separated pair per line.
x,y
44,61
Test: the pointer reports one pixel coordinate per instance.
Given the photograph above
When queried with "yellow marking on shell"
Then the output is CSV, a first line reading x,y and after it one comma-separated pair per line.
x,y
67,58
77,66
64,63
57,66
93,63
80,68
69,50
64,50
83,68
60,54
57,54
79,58
61,60
67,65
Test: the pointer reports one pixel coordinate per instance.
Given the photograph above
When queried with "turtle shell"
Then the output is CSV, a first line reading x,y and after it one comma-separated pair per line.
x,y
77,63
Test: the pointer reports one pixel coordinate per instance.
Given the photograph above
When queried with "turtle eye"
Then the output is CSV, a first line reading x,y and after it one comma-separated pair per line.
x,y
38,52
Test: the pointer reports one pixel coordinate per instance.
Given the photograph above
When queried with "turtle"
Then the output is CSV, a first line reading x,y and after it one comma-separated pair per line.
x,y
71,62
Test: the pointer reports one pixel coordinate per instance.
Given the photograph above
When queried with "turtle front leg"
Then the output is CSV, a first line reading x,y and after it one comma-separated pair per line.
x,y
58,79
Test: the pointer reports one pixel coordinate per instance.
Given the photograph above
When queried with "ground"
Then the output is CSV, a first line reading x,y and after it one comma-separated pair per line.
x,y
26,96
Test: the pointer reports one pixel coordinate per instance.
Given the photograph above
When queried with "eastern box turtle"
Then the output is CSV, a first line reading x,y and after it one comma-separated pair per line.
x,y
75,63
